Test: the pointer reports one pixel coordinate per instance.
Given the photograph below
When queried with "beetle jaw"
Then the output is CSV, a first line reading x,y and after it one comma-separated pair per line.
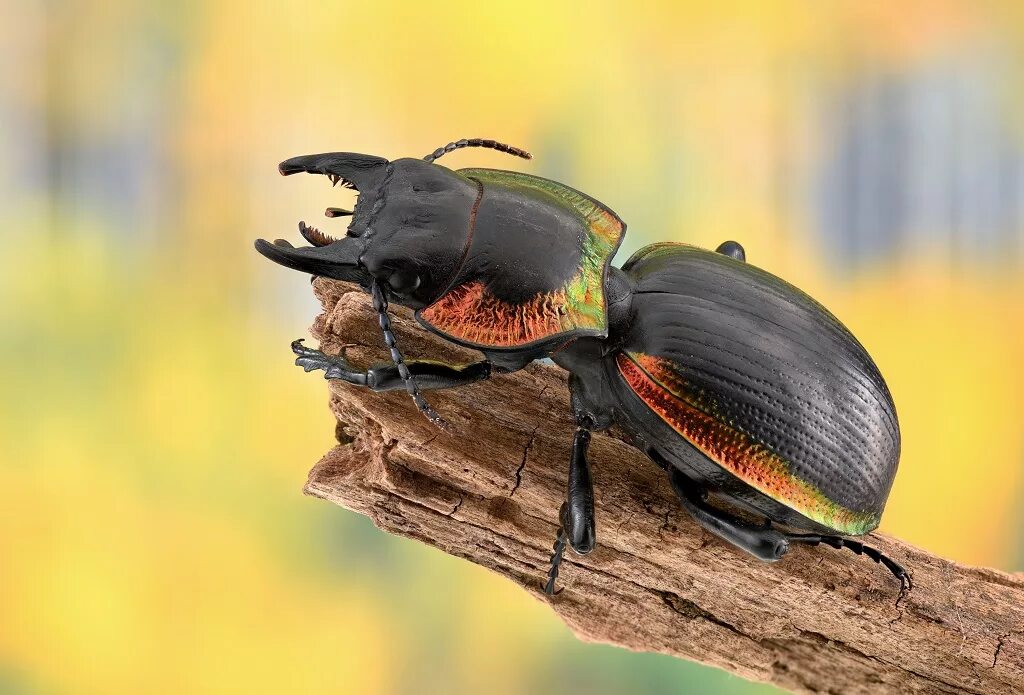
x,y
326,256
365,174
349,168
339,260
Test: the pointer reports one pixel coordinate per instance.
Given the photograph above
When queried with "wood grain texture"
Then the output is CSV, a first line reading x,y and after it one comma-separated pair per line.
x,y
818,621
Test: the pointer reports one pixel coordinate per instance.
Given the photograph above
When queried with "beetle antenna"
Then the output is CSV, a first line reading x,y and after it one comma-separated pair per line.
x,y
477,142
380,305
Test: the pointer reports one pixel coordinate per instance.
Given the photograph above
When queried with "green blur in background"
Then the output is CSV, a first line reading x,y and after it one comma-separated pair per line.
x,y
154,435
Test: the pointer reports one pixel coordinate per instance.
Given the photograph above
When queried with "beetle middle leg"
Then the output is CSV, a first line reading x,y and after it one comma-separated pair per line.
x,y
763,542
429,375
576,516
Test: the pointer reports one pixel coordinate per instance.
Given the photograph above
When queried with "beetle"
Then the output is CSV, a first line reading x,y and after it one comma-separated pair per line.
x,y
771,420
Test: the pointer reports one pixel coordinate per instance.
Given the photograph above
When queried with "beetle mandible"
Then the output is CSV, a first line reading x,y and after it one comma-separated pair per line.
x,y
771,420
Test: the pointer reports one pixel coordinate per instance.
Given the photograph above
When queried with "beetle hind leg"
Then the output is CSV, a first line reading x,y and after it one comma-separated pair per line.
x,y
838,542
764,542
761,541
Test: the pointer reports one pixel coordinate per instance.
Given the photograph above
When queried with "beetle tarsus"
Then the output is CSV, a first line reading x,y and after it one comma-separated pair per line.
x,y
333,366
556,559
838,542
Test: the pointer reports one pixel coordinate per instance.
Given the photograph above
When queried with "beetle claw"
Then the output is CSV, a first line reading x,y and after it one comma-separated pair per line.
x,y
309,358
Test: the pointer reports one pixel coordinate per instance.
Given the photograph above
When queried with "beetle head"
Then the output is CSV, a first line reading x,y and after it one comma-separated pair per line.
x,y
408,228
410,232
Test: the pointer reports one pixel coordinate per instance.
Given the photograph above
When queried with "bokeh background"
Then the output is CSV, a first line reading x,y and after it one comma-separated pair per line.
x,y
154,436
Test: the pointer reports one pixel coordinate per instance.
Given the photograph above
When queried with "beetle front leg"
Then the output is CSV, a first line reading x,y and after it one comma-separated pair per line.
x,y
334,366
429,375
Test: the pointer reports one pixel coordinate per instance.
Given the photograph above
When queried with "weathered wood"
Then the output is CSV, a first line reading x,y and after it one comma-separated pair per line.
x,y
820,620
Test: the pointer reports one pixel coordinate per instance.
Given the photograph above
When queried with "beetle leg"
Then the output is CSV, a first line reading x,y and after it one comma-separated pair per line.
x,y
576,515
762,542
334,366
429,375
558,549
859,548
732,249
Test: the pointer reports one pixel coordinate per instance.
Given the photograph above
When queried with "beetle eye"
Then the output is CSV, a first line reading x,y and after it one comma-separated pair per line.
x,y
403,282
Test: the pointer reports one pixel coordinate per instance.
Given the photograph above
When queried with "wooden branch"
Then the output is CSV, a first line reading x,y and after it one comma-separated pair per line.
x,y
820,620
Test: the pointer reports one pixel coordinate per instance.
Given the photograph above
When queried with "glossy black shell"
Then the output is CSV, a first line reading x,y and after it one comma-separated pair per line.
x,y
775,364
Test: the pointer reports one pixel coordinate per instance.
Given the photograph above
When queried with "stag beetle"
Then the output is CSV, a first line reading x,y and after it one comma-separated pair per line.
x,y
771,420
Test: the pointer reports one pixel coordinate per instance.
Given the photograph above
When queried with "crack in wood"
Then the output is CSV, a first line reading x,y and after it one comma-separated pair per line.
x,y
522,463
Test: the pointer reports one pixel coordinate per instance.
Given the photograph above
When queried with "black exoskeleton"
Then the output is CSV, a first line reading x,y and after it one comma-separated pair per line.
x,y
772,421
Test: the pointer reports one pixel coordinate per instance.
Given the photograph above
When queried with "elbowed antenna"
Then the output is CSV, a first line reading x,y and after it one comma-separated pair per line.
x,y
380,305
477,142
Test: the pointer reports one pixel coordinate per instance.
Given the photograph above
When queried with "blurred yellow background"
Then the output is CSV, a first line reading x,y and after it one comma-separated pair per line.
x,y
154,435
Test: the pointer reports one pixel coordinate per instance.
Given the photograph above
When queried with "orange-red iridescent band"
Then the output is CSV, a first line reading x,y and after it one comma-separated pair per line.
x,y
668,395
473,315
